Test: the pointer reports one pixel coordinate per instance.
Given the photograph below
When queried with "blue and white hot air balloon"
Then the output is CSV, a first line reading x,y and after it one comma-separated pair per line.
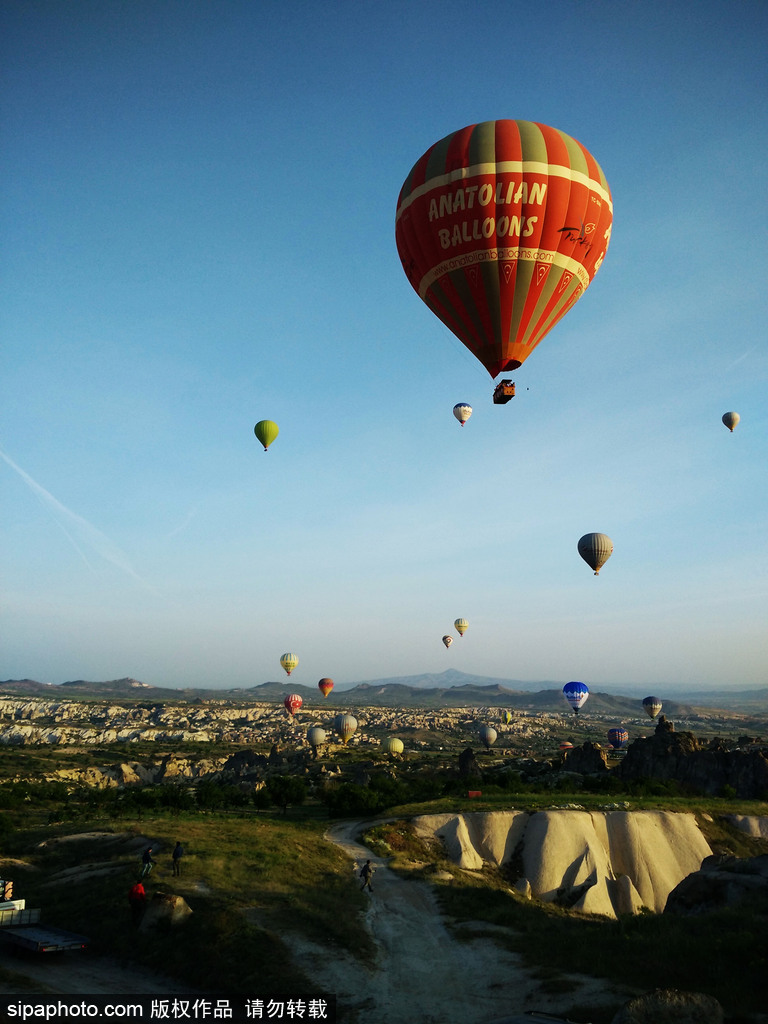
x,y
576,694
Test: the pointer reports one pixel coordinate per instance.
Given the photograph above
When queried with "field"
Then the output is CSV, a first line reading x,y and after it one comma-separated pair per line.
x,y
264,881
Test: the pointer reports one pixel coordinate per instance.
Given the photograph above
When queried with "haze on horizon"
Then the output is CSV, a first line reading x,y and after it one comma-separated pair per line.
x,y
199,214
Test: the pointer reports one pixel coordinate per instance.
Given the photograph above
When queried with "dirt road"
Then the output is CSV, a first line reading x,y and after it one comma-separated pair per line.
x,y
421,973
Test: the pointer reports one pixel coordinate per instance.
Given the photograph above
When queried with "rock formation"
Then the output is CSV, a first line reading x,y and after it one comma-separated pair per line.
x,y
720,882
598,862
705,768
669,1006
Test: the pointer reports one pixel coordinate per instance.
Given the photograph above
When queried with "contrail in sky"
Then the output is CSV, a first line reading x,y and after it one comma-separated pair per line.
x,y
76,528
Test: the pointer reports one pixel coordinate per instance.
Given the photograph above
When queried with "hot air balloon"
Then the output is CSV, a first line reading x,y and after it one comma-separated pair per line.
x,y
462,412
488,736
652,706
500,228
618,737
461,626
393,745
566,745
447,640
289,662
507,716
325,686
595,549
316,736
576,694
293,703
266,431
346,727
730,419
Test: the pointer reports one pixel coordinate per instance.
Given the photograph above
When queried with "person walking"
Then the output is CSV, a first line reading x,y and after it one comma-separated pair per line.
x,y
147,862
178,853
367,874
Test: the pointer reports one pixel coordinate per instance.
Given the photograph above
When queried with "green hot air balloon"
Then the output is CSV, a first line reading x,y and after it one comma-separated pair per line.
x,y
393,745
266,431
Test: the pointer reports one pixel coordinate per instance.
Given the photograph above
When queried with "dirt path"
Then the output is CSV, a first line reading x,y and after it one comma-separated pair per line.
x,y
423,974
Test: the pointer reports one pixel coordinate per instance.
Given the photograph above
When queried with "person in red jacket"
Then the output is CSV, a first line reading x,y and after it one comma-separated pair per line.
x,y
137,899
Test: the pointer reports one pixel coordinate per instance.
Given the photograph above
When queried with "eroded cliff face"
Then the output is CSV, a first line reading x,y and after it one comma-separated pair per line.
x,y
706,767
598,862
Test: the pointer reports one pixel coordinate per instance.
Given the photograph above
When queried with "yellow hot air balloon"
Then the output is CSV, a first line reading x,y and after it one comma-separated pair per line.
x,y
393,745
289,662
730,419
266,431
461,626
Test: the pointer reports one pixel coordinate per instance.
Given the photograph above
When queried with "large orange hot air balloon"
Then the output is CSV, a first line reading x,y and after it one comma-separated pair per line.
x,y
325,686
500,228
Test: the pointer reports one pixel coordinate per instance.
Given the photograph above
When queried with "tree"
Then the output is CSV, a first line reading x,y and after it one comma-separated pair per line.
x,y
287,789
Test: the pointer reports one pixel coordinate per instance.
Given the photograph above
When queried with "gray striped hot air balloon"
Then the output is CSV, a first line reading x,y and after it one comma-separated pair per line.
x,y
346,727
595,549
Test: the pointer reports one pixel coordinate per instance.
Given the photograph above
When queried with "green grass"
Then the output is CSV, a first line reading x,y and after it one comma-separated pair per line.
x,y
251,881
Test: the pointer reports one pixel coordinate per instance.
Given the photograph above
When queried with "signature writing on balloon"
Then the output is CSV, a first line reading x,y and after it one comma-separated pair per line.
x,y
579,235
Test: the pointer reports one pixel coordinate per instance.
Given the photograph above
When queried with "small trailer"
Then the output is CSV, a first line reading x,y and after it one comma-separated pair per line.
x,y
21,929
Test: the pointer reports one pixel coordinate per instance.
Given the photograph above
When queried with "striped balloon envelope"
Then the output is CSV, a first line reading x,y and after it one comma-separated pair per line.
x,y
618,737
289,661
500,228
293,703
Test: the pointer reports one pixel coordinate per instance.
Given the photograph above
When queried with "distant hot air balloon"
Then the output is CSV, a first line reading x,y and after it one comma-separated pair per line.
x,y
293,703
566,745
595,549
461,626
488,736
500,228
447,640
325,686
730,419
462,412
316,736
346,727
507,716
576,694
289,662
393,745
618,737
652,706
266,431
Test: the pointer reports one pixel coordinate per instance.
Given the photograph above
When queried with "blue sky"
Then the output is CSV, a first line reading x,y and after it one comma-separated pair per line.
x,y
198,211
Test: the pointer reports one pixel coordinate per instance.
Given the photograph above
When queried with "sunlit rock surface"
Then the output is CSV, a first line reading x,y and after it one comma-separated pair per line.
x,y
598,862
